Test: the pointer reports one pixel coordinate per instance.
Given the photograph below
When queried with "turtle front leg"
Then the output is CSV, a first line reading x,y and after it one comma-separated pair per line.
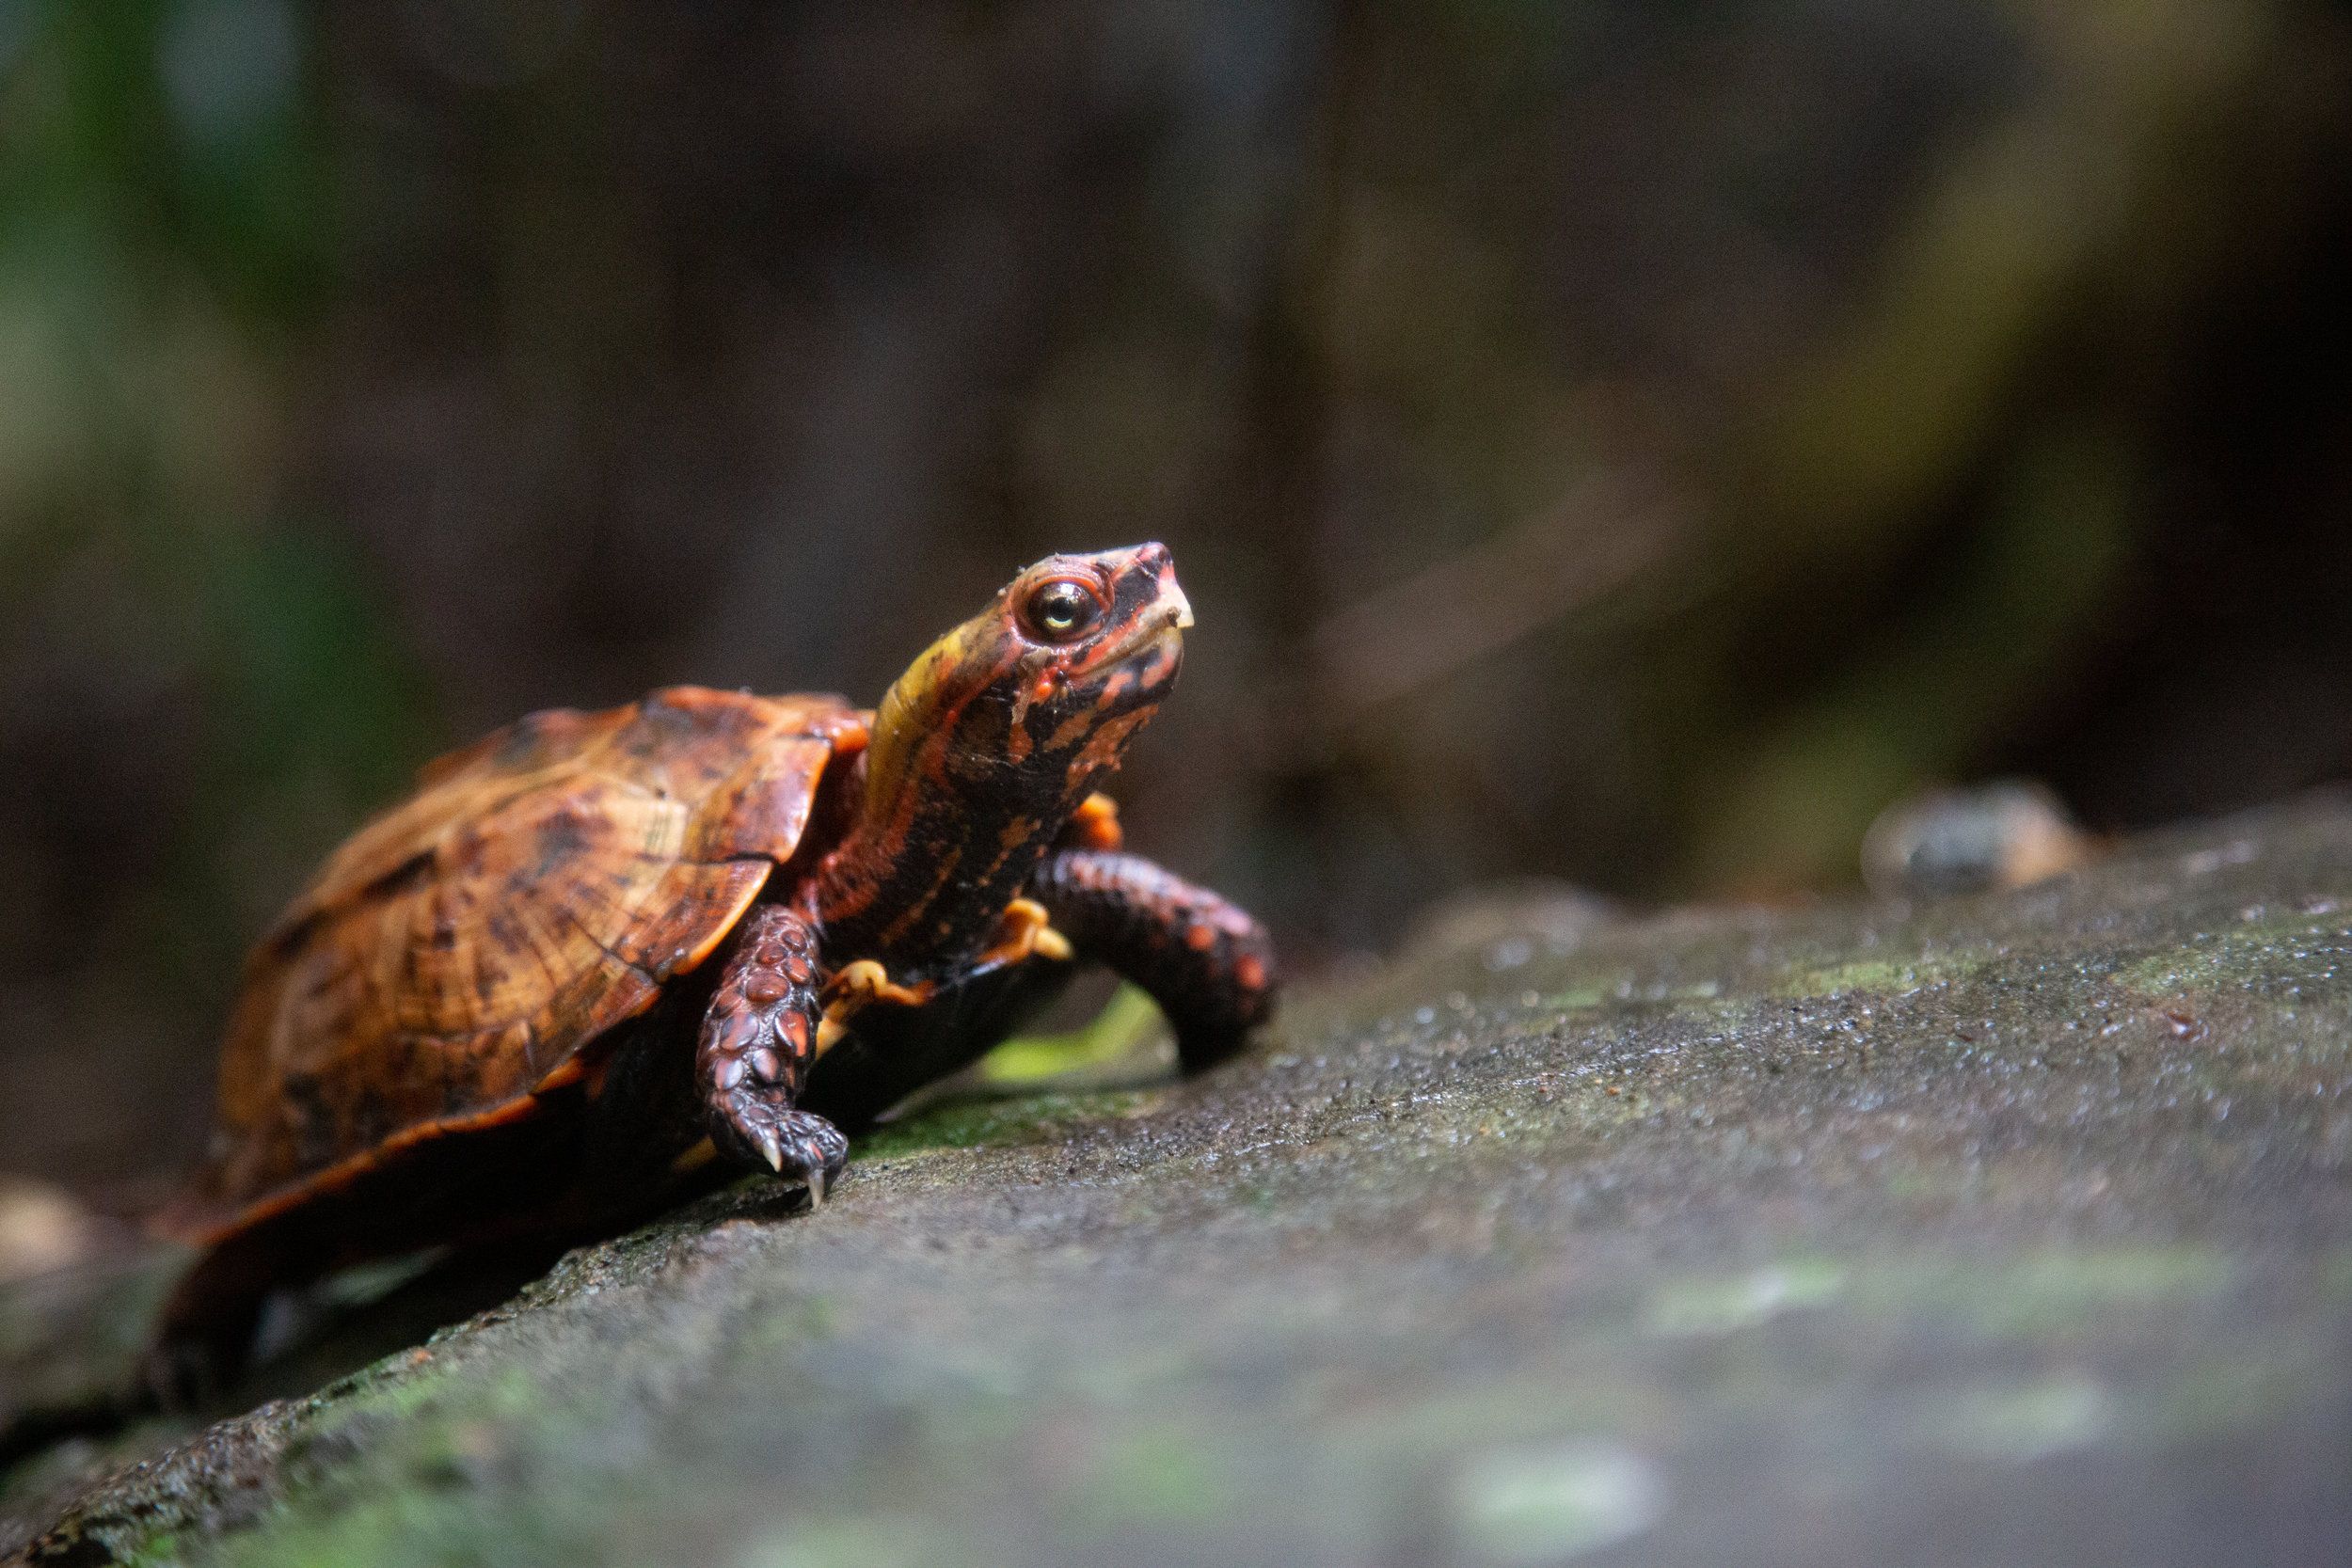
x,y
1205,962
758,1038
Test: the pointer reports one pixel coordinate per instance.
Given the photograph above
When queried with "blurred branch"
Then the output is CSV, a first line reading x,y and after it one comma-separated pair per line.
x,y
1616,528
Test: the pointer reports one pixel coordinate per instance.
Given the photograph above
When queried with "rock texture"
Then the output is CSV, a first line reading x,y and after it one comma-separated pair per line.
x,y
2007,1230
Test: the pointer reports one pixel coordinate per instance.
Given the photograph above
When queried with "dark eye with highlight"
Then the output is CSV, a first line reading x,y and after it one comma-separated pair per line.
x,y
1060,609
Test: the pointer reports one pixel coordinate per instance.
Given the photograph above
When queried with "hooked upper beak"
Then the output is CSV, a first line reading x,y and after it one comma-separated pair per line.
x,y
1169,616
1173,605
1168,612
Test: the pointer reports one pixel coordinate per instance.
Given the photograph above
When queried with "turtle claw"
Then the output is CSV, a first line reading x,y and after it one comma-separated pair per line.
x,y
759,1133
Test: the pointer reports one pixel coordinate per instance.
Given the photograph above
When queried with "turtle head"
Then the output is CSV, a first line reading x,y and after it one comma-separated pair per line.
x,y
1047,683
984,748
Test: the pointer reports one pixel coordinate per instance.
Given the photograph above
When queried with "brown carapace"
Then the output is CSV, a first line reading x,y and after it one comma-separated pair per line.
x,y
597,958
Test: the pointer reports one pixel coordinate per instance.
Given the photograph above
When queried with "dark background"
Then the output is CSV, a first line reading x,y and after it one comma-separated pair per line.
x,y
1629,440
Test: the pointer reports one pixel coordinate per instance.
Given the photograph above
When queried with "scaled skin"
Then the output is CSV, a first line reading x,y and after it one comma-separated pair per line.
x,y
723,887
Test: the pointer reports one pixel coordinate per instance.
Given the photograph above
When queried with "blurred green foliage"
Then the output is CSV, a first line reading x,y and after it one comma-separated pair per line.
x,y
165,228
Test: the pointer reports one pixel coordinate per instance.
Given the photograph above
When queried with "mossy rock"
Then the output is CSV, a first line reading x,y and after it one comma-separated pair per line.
x,y
2005,1231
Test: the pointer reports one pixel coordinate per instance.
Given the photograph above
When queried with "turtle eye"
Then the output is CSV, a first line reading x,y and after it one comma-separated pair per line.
x,y
1060,609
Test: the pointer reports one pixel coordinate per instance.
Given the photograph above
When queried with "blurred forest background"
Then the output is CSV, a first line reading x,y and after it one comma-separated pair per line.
x,y
1626,441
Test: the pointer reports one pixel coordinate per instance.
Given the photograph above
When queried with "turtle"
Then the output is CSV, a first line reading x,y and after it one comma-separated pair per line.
x,y
598,959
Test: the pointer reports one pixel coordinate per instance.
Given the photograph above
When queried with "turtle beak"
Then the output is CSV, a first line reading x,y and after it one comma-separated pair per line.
x,y
1174,609
1156,630
1149,605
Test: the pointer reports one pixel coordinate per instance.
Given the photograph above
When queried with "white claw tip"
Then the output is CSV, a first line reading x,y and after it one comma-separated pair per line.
x,y
817,1188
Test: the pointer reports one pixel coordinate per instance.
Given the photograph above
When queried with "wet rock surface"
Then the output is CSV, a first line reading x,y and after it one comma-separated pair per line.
x,y
2012,1229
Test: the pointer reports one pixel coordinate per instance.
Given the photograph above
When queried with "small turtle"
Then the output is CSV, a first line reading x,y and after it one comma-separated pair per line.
x,y
598,957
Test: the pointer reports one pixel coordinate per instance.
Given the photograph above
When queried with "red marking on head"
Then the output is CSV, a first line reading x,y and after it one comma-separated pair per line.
x,y
1251,972
1201,936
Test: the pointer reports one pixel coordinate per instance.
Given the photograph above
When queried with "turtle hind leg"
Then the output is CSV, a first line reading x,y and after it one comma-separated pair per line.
x,y
1208,964
210,1327
760,1037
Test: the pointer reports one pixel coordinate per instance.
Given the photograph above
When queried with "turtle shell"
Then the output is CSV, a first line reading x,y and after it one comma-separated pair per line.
x,y
464,952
